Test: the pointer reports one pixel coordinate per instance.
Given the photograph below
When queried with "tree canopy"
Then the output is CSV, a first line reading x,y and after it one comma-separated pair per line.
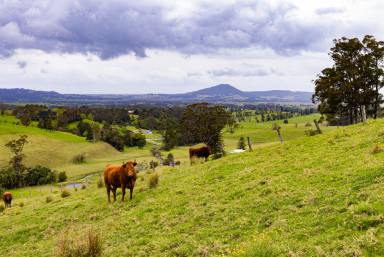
x,y
352,84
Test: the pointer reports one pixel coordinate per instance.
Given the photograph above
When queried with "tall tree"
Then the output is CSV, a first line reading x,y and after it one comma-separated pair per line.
x,y
352,84
16,162
375,53
203,123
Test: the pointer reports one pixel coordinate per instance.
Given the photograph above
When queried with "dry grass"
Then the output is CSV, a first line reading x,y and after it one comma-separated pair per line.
x,y
376,149
90,246
153,180
65,193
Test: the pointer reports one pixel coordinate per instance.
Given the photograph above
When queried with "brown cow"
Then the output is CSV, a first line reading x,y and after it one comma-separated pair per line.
x,y
7,198
199,152
123,176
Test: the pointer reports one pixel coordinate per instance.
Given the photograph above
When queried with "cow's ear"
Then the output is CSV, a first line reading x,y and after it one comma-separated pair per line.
x,y
134,163
124,164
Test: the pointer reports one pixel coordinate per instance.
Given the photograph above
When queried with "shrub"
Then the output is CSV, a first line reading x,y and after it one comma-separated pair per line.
x,y
177,163
2,208
8,178
139,140
39,175
100,183
48,199
170,160
241,143
21,204
285,121
62,176
89,246
83,186
308,124
65,193
153,164
153,180
79,158
312,132
376,149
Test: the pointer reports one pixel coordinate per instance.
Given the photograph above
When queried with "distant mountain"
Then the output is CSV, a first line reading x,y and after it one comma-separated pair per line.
x,y
219,90
223,93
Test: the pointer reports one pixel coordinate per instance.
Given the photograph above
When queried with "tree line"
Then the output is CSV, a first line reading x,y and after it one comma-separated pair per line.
x,y
349,90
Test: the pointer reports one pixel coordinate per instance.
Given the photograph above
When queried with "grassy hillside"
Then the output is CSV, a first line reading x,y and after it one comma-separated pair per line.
x,y
56,149
312,196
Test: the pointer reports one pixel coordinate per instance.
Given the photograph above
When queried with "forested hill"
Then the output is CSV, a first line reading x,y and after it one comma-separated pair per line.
x,y
222,93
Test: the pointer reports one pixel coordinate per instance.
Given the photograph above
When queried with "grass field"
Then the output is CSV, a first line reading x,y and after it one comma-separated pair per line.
x,y
311,196
56,149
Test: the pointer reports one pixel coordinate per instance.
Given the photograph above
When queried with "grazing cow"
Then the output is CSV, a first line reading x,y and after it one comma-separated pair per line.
x,y
7,198
199,152
123,176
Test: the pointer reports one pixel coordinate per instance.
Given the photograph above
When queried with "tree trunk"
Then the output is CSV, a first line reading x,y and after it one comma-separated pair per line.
x,y
317,126
363,114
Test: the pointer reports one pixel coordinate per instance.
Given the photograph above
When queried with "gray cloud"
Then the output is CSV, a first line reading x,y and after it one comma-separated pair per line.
x,y
114,28
22,64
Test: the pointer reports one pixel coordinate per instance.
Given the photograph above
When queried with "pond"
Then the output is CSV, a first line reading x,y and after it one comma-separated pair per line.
x,y
74,185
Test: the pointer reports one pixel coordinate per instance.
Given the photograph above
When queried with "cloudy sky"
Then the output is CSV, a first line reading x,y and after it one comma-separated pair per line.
x,y
168,46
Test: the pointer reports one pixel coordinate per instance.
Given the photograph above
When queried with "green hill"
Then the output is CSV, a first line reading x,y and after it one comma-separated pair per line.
x,y
312,196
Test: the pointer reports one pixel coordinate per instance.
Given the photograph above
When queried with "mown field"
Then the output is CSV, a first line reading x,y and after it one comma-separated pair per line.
x,y
311,196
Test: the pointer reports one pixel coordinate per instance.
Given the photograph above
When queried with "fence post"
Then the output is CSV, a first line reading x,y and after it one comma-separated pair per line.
x,y
249,144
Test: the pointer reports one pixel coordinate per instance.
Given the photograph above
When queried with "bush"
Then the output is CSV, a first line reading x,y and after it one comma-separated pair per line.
x,y
312,132
48,199
171,160
65,193
89,246
39,175
21,204
177,163
8,178
100,183
285,121
79,158
153,180
241,143
83,186
62,176
153,164
308,124
139,140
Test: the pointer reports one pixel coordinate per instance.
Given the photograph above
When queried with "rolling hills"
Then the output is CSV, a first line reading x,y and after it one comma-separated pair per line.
x,y
300,198
223,93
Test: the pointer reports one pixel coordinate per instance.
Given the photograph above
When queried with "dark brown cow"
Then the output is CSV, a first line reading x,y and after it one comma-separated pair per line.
x,y
199,152
123,176
7,198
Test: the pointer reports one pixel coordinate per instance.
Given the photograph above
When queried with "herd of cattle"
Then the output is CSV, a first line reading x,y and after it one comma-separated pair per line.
x,y
124,176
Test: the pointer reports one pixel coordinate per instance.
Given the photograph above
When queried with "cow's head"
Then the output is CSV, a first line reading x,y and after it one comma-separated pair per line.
x,y
130,168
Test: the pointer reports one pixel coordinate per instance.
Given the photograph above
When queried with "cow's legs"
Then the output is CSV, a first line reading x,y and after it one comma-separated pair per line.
x,y
130,193
114,193
123,190
108,193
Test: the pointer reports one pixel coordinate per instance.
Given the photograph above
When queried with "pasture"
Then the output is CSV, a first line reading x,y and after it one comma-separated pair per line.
x,y
56,149
300,198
